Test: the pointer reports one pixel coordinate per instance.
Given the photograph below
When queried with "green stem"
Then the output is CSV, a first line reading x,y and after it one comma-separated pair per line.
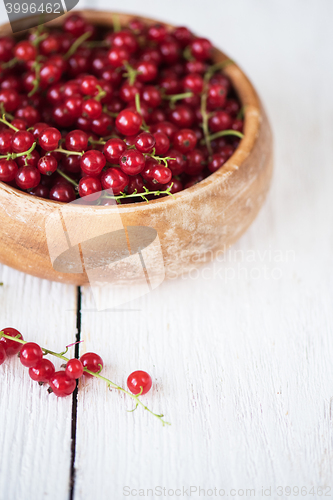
x,y
101,93
77,44
12,156
3,120
66,152
141,195
92,141
39,39
131,73
107,112
177,97
144,126
10,63
97,375
67,178
116,23
223,133
36,80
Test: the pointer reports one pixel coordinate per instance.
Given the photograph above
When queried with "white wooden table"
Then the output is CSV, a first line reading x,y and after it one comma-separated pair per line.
x,y
241,354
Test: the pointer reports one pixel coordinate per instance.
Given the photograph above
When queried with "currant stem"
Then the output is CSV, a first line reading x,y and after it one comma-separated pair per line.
x,y
66,152
223,133
144,126
141,195
177,97
101,93
97,375
77,44
67,178
36,80
116,23
12,156
3,120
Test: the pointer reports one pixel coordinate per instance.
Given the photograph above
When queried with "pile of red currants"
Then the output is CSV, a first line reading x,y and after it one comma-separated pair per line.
x,y
137,112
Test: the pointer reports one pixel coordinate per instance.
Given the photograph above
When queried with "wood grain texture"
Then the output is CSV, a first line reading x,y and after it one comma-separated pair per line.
x,y
191,226
35,435
241,352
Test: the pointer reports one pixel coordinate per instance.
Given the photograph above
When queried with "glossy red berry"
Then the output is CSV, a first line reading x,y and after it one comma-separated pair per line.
x,y
63,192
102,125
132,162
201,48
114,179
145,142
27,177
161,174
89,186
135,184
28,113
22,141
92,162
49,74
7,44
74,105
8,170
129,122
182,35
92,362
151,96
117,56
185,140
25,51
193,83
182,116
3,355
38,128
74,368
162,143
42,371
89,85
30,354
178,163
75,25
157,33
61,384
6,141
139,382
10,99
91,109
124,39
71,163
217,95
195,162
47,165
25,160
147,71
220,121
76,140
11,347
49,138
40,191
113,150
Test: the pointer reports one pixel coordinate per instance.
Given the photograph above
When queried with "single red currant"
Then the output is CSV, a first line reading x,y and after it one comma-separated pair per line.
x,y
76,140
185,140
74,368
193,83
27,177
91,109
22,141
139,382
90,186
11,347
201,48
49,138
161,174
25,51
117,56
47,165
61,385
6,141
42,371
128,122
114,149
3,355
10,99
115,180
30,354
92,362
162,143
145,142
132,163
63,192
8,170
221,120
216,161
92,162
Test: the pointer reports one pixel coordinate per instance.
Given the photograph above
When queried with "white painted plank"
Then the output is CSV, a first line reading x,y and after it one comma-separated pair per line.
x,y
35,431
241,355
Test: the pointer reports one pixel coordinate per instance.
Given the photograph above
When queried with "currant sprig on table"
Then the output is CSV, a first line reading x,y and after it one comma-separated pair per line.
x,y
141,110
63,382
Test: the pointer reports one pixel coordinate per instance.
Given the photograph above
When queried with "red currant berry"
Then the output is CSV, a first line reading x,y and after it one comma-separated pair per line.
x,y
124,39
22,141
92,162
72,163
216,162
8,170
40,191
128,122
3,355
113,150
151,96
201,48
217,96
182,35
76,140
42,371
102,125
6,141
49,73
10,99
29,114
89,85
7,44
195,162
237,125
114,179
32,161
19,123
145,142
162,143
135,184
220,121
49,138
89,186
91,109
161,174
25,51
11,347
157,33
139,382
61,384
74,368
27,177
75,25
62,116
182,116
185,140
167,128
132,163
193,83
117,56
174,186
63,192
30,354
47,165
74,105
178,164
92,362
147,71
49,45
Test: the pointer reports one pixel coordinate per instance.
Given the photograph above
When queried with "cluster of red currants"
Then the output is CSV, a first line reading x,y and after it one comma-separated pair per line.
x,y
139,110
63,382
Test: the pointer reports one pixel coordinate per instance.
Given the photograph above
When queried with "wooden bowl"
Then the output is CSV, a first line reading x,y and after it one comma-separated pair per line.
x,y
192,227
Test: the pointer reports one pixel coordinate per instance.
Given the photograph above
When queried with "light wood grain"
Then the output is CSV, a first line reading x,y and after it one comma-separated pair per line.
x,y
35,435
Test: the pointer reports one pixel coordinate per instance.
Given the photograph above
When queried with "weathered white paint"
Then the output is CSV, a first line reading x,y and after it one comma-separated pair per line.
x,y
241,355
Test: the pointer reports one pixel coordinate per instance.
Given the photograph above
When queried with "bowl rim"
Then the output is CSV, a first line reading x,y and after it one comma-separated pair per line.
x,y
252,120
